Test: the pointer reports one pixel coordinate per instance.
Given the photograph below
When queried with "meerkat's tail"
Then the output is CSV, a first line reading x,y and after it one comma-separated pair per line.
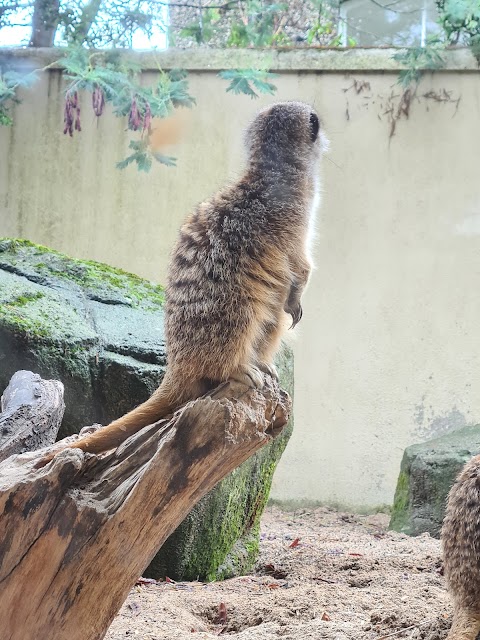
x,y
166,399
466,624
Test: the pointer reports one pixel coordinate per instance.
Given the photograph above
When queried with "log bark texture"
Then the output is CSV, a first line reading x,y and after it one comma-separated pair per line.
x,y
76,534
31,413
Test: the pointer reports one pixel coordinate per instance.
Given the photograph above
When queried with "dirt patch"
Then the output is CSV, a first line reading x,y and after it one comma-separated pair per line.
x,y
321,574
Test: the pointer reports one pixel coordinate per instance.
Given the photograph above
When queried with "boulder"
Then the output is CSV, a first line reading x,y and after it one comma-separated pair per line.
x,y
99,330
427,473
219,539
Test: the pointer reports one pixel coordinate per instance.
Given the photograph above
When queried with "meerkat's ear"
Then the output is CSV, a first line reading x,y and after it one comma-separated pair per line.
x,y
314,126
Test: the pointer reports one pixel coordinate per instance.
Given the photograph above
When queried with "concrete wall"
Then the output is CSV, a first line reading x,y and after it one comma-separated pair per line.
x,y
387,351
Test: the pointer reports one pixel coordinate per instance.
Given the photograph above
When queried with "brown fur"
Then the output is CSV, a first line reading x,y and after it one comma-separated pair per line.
x,y
461,551
238,268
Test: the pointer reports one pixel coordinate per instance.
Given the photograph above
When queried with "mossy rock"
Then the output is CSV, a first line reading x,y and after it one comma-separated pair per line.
x,y
220,537
100,331
427,473
97,329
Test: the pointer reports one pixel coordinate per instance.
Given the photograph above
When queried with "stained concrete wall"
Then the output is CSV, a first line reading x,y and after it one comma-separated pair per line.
x,y
387,351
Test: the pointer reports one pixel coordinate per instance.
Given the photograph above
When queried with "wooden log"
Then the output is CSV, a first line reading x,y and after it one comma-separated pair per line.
x,y
31,413
76,534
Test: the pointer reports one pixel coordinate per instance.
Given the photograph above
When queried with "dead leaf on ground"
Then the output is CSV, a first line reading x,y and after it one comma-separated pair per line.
x,y
222,613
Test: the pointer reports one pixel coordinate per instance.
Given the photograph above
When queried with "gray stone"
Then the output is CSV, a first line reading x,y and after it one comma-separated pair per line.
x,y
99,330
427,473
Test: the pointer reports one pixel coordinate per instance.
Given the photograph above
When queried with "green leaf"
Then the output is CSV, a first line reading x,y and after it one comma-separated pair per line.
x,y
417,60
239,36
241,81
9,83
143,156
5,119
192,31
264,87
144,162
124,163
241,85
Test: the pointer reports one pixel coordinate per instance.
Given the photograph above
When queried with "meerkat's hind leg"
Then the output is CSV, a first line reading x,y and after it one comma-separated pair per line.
x,y
269,345
250,375
466,624
268,368
258,359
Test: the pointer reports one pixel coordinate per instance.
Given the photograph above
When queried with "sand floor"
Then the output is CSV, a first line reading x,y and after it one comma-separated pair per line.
x,y
321,574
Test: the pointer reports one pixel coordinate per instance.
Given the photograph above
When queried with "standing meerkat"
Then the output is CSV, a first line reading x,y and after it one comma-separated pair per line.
x,y
237,272
461,551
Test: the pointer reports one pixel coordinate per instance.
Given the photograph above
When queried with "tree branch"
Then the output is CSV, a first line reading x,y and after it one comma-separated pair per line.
x,y
76,534
15,7
44,22
32,411
87,18
225,6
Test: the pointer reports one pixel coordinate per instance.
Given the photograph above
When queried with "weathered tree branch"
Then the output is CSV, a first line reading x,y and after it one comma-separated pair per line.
x,y
76,534
32,411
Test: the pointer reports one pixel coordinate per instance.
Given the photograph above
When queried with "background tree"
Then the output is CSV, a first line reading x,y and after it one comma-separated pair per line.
x,y
106,23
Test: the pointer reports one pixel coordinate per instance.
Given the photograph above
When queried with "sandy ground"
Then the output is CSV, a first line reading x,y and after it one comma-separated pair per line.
x,y
321,575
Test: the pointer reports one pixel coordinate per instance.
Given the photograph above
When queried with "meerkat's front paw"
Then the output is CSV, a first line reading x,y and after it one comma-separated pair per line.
x,y
249,375
296,311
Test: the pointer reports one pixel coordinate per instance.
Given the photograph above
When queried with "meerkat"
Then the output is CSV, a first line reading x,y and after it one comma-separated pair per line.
x,y
238,271
461,551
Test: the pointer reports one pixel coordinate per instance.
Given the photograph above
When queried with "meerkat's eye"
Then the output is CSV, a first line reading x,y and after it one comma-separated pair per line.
x,y
314,126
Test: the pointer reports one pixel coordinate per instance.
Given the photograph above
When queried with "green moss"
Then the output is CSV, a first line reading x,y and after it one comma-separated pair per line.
x,y
18,323
242,557
252,545
14,317
95,276
401,504
233,550
13,245
21,301
39,314
134,286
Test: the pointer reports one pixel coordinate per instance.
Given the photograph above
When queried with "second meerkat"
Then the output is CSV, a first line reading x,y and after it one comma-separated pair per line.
x,y
238,270
461,551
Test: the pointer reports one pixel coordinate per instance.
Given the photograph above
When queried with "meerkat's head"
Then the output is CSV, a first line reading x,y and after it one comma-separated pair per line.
x,y
286,133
